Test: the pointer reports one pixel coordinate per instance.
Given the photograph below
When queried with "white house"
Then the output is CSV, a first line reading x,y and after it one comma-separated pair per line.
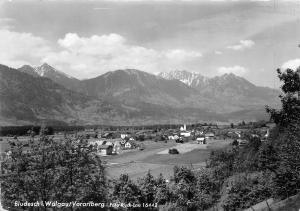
x,y
185,134
173,137
129,145
201,140
116,148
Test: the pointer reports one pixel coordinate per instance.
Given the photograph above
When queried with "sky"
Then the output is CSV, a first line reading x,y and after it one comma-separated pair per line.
x,y
86,38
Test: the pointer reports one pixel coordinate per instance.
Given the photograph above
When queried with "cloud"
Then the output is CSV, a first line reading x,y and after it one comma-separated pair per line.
x,y
243,44
21,48
218,52
85,57
293,64
237,70
182,54
6,23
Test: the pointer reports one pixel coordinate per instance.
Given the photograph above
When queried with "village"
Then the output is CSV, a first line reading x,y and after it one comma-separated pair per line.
x,y
116,142
136,151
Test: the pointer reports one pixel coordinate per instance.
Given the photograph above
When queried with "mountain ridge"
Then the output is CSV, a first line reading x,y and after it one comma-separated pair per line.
x,y
132,96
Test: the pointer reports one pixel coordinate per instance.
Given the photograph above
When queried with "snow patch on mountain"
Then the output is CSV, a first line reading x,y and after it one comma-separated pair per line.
x,y
46,69
189,78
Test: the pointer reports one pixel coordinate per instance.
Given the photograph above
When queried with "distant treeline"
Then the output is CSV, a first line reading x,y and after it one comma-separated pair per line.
x,y
147,127
25,130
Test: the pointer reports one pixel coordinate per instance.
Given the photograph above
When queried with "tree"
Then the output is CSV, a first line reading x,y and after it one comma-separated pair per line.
x,y
289,114
125,191
183,173
287,171
287,143
82,173
162,194
183,190
242,191
48,170
207,190
147,186
173,151
235,143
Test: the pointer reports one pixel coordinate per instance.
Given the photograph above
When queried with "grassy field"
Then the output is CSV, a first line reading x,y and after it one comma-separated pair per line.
x,y
137,163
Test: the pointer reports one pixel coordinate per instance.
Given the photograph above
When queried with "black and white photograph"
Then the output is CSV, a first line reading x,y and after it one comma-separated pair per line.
x,y
150,105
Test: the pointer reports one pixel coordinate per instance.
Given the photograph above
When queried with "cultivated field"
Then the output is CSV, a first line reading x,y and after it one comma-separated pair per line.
x,y
137,163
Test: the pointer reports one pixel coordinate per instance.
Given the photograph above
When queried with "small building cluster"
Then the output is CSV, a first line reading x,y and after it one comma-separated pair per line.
x,y
114,146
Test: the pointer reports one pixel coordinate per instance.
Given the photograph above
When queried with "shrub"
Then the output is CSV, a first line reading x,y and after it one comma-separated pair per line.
x,y
173,151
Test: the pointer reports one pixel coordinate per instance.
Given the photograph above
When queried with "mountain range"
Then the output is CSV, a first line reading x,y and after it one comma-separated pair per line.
x,y
35,94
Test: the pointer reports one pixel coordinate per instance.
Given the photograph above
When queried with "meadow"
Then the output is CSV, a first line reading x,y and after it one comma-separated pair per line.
x,y
137,163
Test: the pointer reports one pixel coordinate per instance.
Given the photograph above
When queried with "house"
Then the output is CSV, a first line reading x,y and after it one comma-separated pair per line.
x,y
173,137
185,134
201,140
128,145
209,135
116,147
109,143
96,141
105,150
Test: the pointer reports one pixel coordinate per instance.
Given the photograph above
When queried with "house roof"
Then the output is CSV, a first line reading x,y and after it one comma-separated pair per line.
x,y
104,146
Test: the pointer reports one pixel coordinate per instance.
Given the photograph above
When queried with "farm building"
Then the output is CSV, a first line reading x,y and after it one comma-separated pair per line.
x,y
129,145
105,150
116,147
108,146
209,135
185,134
201,140
173,137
